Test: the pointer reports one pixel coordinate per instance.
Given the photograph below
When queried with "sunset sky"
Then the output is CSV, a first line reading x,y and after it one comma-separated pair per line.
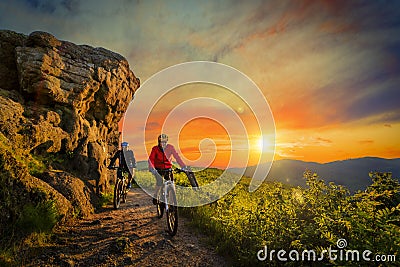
x,y
328,69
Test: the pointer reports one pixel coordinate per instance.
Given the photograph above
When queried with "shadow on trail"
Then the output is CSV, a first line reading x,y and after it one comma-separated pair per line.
x,y
129,236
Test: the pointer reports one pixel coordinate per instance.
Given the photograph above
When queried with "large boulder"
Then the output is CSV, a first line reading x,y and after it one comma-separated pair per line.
x,y
9,40
73,189
18,188
66,98
60,107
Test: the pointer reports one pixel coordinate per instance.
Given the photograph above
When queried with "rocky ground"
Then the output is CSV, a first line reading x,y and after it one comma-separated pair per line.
x,y
129,236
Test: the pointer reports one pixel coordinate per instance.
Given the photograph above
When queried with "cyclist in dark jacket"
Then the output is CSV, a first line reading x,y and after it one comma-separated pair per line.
x,y
126,160
160,160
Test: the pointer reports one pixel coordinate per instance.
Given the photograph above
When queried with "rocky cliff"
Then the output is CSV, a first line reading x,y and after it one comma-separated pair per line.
x,y
60,105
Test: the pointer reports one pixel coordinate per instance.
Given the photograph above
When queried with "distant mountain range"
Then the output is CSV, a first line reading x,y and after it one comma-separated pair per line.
x,y
352,173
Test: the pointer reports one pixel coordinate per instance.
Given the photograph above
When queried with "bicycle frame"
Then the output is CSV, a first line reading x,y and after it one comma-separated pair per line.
x,y
166,200
120,191
166,197
165,189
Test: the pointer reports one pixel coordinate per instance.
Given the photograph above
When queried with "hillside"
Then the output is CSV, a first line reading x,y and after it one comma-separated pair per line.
x,y
352,173
248,226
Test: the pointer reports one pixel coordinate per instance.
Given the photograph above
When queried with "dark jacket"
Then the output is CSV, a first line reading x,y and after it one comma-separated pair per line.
x,y
125,160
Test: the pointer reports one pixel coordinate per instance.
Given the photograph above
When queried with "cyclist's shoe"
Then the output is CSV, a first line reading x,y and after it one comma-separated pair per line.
x,y
129,185
154,201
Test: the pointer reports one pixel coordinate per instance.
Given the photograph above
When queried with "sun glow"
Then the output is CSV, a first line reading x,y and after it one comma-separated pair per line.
x,y
260,143
263,144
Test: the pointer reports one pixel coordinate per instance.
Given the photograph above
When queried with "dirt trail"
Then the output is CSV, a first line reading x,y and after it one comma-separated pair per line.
x,y
129,236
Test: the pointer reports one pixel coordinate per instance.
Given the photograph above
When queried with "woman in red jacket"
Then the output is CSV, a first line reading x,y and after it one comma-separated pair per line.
x,y
160,161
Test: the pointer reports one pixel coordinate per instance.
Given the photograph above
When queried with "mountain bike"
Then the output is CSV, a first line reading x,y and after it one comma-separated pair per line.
x,y
120,188
166,200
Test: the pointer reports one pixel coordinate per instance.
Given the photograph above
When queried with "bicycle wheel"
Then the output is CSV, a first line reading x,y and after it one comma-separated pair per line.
x,y
123,192
117,193
172,212
160,205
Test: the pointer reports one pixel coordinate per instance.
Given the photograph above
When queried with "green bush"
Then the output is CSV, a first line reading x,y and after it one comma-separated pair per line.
x,y
294,218
106,198
38,218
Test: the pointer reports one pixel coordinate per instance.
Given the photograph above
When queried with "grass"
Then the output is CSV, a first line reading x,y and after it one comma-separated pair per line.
x,y
38,218
36,167
33,229
106,198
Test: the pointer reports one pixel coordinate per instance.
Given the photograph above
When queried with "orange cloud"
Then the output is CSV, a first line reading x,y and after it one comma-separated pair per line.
x,y
366,142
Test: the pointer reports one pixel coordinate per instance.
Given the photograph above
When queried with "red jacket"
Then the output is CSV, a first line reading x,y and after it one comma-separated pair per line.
x,y
162,160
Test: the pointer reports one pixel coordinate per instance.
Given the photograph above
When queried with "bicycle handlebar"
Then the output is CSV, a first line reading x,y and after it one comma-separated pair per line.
x,y
190,175
179,170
